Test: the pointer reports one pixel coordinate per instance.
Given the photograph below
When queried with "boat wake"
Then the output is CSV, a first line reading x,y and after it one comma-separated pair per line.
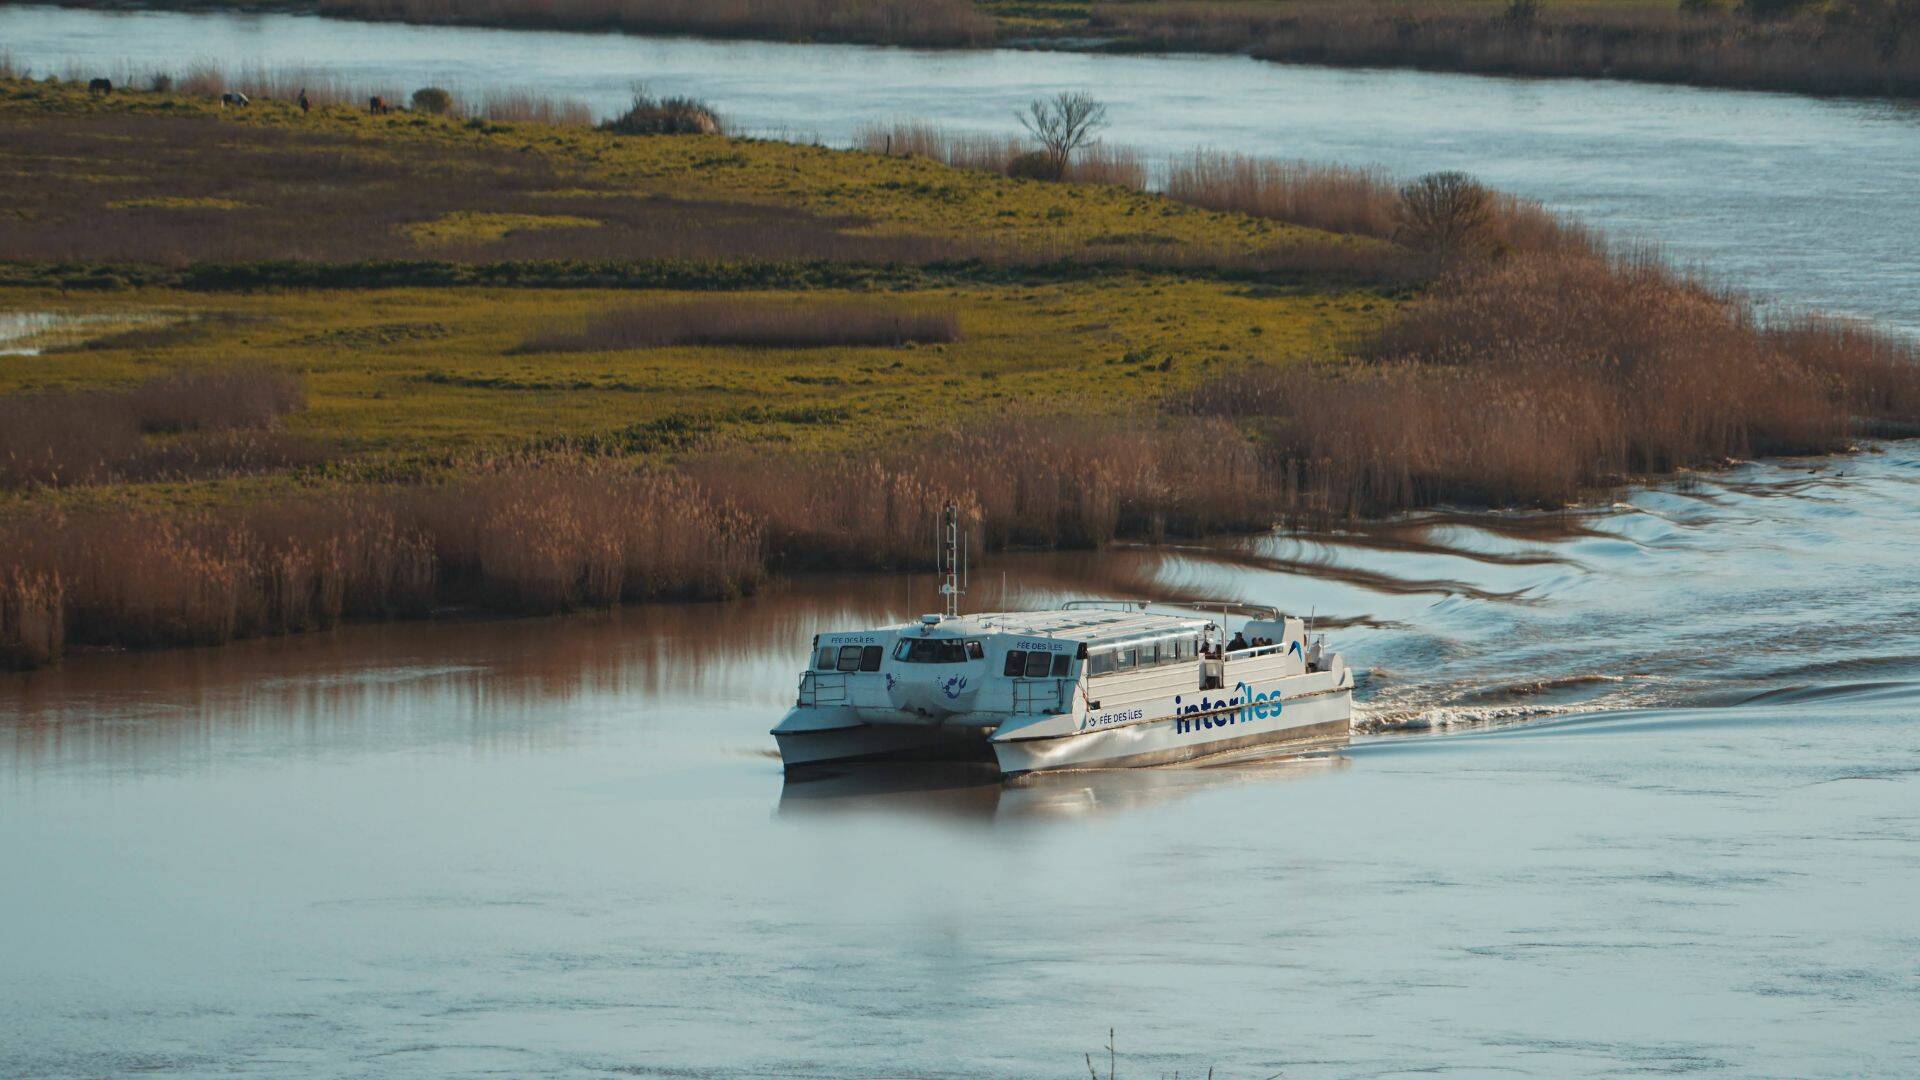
x,y
1774,583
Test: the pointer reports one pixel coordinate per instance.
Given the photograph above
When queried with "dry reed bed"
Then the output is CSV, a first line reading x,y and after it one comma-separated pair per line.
x,y
754,323
321,87
557,533
1357,201
219,422
886,22
1865,47
1538,378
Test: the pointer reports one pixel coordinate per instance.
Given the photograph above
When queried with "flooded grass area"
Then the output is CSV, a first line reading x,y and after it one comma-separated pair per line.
x,y
31,333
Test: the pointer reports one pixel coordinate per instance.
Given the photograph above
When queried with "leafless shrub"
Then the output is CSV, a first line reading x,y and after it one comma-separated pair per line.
x,y
749,322
1447,214
1063,124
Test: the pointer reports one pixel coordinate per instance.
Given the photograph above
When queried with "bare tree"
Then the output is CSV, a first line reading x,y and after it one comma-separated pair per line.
x,y
1063,123
1446,213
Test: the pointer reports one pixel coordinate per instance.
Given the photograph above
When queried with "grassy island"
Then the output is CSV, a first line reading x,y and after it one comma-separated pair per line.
x,y
269,368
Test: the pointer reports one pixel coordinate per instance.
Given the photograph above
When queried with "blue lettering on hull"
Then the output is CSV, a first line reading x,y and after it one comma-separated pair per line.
x,y
1243,707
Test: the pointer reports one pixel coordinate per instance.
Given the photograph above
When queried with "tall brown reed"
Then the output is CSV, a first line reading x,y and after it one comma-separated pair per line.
x,y
89,436
1345,199
526,107
519,539
1534,378
32,633
550,536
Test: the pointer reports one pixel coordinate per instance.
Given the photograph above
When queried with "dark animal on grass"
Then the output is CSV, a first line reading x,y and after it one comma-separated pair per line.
x,y
378,105
305,105
236,99
100,86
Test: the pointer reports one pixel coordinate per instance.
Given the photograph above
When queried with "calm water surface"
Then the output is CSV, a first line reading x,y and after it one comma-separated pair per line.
x,y
1650,802
1801,201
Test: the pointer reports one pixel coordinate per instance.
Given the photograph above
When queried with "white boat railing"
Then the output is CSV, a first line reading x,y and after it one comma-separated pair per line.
x,y
1040,695
823,688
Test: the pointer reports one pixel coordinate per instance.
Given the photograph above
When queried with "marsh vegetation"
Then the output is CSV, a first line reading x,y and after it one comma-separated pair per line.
x,y
841,353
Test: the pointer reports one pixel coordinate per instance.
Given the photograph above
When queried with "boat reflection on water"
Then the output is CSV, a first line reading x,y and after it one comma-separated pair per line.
x,y
974,792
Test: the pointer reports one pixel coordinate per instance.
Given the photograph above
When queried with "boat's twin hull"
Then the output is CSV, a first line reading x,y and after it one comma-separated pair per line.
x,y
854,740
833,736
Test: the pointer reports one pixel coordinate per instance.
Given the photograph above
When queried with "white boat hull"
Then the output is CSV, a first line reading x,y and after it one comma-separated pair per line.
x,y
840,737
1318,721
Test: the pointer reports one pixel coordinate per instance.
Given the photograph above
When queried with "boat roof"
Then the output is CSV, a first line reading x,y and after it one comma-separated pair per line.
x,y
1092,626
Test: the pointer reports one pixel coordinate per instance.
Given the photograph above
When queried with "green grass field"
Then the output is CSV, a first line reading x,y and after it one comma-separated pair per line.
x,y
400,376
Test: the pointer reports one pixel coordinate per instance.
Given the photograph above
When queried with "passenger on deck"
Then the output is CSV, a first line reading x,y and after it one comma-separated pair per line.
x,y
1239,642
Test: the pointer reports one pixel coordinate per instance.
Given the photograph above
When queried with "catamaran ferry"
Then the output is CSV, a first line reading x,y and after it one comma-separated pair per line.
x,y
1094,684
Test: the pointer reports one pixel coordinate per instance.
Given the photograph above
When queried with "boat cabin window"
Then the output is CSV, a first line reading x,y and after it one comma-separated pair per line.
x,y
856,658
825,660
1036,665
938,651
1144,654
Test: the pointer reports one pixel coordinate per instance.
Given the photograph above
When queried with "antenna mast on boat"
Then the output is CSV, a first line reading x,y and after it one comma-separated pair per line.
x,y
952,562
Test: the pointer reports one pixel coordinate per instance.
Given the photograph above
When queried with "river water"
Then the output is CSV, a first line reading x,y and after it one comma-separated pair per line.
x,y
1649,802
1639,792
1801,201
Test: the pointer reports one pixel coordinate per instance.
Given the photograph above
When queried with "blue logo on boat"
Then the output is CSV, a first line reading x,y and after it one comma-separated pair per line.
x,y
953,687
1243,707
